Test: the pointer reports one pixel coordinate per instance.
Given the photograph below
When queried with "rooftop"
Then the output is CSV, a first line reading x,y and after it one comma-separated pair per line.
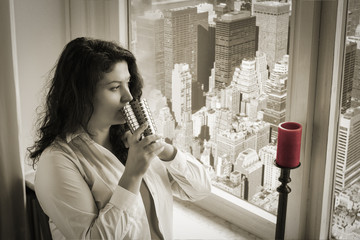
x,y
232,16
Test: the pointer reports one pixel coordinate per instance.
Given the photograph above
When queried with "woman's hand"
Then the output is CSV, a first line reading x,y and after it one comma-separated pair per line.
x,y
140,154
167,154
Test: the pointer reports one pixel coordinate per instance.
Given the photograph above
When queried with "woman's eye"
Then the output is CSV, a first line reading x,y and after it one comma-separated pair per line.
x,y
114,88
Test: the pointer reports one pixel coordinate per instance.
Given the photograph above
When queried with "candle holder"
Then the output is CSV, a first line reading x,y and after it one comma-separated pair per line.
x,y
283,190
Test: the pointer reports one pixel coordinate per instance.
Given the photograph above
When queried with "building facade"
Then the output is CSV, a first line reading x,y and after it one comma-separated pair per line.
x,y
235,35
272,18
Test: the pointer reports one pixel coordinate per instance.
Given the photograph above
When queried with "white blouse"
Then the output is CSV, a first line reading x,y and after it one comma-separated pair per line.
x,y
77,186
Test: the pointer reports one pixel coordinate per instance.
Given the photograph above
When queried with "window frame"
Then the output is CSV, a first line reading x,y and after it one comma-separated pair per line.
x,y
332,64
315,59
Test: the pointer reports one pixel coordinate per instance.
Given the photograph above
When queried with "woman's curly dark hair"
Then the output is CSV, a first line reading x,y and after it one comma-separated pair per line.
x,y
69,101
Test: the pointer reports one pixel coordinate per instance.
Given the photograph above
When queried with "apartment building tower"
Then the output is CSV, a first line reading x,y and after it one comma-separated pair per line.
x,y
276,93
347,170
180,42
235,35
272,18
181,93
348,77
150,49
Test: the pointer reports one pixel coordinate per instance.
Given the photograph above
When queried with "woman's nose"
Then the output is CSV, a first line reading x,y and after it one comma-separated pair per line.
x,y
126,96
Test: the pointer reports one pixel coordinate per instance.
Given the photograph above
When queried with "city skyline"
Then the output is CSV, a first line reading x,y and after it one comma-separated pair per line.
x,y
232,86
238,94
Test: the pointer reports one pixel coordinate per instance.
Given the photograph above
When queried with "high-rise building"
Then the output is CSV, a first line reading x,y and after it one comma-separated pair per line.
x,y
184,133
272,18
212,123
267,156
348,77
249,165
347,170
223,166
355,92
230,143
261,70
165,123
244,134
262,130
181,94
230,98
212,79
275,89
224,119
180,42
150,48
212,101
235,35
245,78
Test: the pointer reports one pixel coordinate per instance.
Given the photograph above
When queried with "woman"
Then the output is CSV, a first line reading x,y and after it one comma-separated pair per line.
x,y
94,178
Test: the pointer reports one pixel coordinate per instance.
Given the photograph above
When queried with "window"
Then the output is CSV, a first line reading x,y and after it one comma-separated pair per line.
x,y
345,221
218,89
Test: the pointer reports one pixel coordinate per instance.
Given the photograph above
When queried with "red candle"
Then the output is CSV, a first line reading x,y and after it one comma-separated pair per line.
x,y
288,144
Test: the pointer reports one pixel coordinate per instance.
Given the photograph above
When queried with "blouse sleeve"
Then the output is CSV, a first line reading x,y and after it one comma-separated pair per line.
x,y
189,179
66,198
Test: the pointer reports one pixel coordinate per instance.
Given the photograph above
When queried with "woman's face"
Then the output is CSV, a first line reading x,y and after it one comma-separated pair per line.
x,y
111,95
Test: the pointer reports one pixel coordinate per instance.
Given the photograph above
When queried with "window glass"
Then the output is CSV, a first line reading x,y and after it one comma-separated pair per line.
x,y
346,217
215,76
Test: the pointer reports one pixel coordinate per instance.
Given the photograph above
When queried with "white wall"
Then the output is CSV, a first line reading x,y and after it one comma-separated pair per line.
x,y
40,37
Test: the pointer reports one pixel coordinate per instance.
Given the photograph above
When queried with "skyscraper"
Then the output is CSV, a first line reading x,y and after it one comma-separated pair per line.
x,y
244,134
275,89
267,155
180,42
224,166
150,48
211,123
230,98
348,78
355,92
165,123
230,143
347,170
261,70
272,18
234,40
181,94
249,165
246,81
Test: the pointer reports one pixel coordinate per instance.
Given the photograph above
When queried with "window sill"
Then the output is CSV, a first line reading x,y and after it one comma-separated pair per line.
x,y
201,224
239,212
